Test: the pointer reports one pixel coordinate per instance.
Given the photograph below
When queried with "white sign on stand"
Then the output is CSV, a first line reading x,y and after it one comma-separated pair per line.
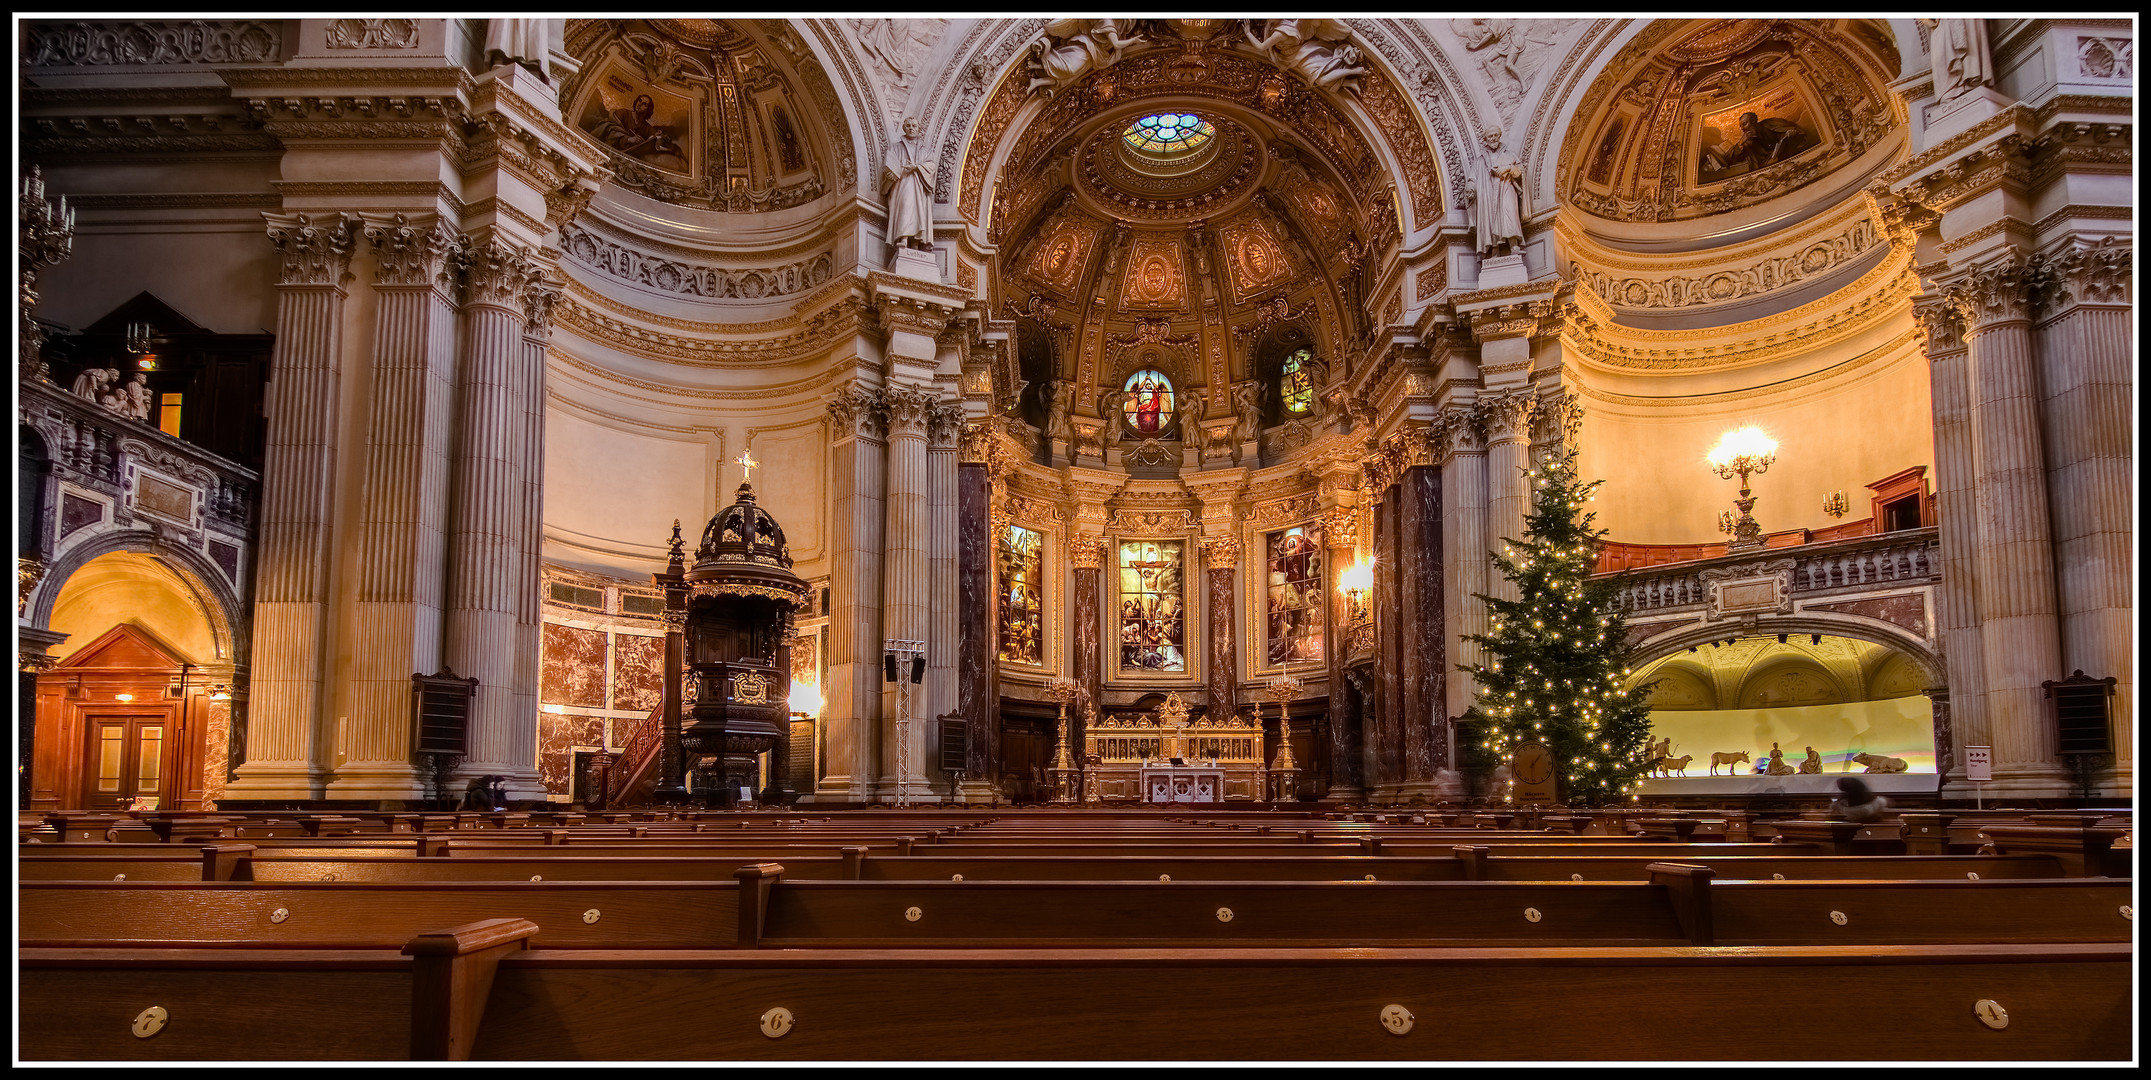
x,y
1979,768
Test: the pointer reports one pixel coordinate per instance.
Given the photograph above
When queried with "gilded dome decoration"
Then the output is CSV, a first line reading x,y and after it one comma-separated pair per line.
x,y
1732,113
1168,135
697,112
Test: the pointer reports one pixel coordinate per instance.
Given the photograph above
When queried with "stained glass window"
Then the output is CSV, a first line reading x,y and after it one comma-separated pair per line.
x,y
1294,603
1022,594
1295,384
1147,402
1153,633
1169,133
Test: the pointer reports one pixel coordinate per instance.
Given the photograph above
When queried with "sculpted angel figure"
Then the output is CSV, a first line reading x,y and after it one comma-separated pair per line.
x,y
1247,398
1063,397
908,177
1073,48
522,41
1320,49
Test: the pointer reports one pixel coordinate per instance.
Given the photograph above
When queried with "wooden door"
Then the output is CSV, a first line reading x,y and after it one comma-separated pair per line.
x,y
126,759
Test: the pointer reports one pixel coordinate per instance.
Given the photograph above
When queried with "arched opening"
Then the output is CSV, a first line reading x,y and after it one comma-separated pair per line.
x,y
1827,705
137,710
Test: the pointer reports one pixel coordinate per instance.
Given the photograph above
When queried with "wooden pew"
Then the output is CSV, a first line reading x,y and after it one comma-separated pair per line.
x,y
2064,1002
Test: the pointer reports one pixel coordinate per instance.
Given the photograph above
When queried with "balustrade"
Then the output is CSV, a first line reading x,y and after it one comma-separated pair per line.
x,y
1908,558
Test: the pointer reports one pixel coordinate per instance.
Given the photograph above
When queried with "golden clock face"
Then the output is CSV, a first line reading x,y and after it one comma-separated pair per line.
x,y
1534,765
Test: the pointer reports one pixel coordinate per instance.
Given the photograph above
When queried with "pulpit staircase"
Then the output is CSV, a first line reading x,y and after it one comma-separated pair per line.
x,y
633,779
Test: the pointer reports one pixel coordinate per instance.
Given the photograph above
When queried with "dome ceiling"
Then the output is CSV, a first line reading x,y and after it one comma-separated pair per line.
x,y
703,113
1182,259
1720,115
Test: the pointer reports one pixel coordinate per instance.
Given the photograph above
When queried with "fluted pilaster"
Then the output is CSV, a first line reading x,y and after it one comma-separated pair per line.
x,y
2014,557
285,733
2085,348
1956,511
1507,423
851,712
1464,539
486,562
404,515
906,609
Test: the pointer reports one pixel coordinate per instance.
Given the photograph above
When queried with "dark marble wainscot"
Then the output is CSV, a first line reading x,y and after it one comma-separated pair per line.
x,y
558,736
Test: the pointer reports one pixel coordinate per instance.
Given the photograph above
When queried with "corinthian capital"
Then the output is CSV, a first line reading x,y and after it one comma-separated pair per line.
x,y
538,301
1340,527
1221,552
1087,552
1991,295
1463,427
316,251
943,424
497,274
408,251
1507,417
2095,273
1557,420
1940,324
857,411
907,410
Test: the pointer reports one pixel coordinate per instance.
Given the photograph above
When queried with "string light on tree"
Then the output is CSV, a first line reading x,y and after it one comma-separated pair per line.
x,y
1556,654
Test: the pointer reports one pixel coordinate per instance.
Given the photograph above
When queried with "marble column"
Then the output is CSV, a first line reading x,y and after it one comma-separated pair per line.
x,y
1464,543
975,594
402,521
942,539
1221,564
2085,342
1384,741
486,558
904,583
1088,553
1340,535
851,711
1423,683
1956,514
1507,422
298,517
2014,556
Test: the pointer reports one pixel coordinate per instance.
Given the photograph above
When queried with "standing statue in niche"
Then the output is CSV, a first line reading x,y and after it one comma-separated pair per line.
x,y
1115,425
519,41
1957,49
1497,209
908,178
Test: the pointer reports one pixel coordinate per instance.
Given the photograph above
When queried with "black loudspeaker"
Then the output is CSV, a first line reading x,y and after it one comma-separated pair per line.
x,y
918,669
888,667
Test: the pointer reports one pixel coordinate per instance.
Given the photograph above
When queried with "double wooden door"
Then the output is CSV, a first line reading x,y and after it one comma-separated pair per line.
x,y
126,759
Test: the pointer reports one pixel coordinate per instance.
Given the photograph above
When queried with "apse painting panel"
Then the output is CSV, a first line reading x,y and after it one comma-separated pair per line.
x,y
1153,626
1293,595
1019,557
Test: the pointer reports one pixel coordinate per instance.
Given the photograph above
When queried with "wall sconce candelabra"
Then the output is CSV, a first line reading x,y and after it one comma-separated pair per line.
x,y
1741,453
1836,506
1357,585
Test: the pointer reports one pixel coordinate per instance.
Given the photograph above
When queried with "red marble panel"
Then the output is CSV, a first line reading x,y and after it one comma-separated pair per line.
x,y
557,738
572,669
638,672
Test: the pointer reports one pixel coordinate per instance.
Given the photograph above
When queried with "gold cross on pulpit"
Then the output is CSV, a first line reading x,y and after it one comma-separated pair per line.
x,y
747,465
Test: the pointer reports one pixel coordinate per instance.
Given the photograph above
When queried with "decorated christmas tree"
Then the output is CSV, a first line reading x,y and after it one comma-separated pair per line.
x,y
1557,654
